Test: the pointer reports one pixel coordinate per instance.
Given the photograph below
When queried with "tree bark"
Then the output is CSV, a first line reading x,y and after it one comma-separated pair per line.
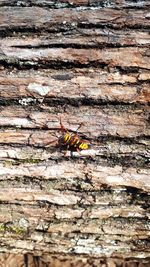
x,y
87,62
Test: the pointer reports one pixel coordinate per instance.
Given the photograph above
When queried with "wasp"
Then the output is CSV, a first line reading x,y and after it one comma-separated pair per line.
x,y
71,141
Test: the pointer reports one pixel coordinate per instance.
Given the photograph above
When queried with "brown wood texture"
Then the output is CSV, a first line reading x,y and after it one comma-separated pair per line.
x,y
7,260
87,62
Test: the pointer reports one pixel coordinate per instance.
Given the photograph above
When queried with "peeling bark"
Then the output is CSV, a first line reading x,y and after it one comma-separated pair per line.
x,y
86,62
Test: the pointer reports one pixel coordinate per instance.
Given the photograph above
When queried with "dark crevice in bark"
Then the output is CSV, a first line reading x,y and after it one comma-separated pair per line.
x,y
64,102
26,260
61,28
112,27
53,64
95,45
59,65
29,64
11,32
29,31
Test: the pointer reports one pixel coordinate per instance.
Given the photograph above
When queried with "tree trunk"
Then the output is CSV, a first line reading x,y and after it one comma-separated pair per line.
x,y
88,63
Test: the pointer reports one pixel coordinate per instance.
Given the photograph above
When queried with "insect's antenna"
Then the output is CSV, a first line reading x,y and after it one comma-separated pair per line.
x,y
60,120
79,126
63,129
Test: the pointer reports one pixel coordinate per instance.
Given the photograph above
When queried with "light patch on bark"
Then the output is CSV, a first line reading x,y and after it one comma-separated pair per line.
x,y
18,122
41,90
84,153
86,247
147,15
57,197
26,101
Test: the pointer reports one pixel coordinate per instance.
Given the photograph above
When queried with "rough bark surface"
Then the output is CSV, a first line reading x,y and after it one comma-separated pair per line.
x,y
87,62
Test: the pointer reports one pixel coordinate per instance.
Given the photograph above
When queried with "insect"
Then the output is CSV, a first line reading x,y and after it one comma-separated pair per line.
x,y
71,141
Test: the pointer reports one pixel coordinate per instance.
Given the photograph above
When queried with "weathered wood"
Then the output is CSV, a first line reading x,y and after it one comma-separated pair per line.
x,y
17,17
86,62
87,38
19,260
111,58
107,121
97,84
42,19
97,174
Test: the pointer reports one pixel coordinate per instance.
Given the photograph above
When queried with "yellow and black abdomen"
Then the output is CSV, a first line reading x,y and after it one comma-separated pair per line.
x,y
66,138
83,145
74,142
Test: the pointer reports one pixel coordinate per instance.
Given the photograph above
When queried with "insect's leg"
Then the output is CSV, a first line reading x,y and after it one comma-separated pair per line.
x,y
54,141
78,150
66,150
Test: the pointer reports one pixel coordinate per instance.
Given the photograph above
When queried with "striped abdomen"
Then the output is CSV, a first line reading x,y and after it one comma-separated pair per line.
x,y
74,142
